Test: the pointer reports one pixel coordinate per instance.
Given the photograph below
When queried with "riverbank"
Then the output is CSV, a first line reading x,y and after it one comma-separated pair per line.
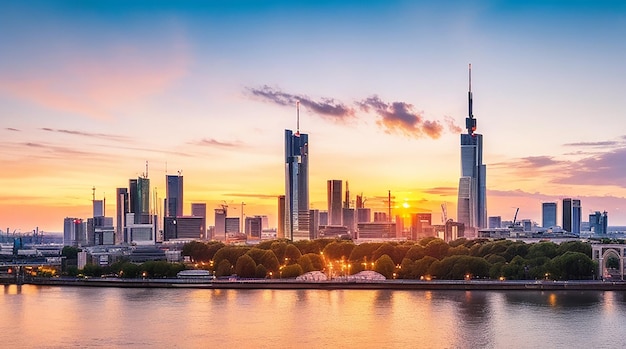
x,y
335,284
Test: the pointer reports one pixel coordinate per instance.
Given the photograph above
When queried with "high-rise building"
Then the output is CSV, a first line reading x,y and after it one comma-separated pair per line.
x,y
296,185
140,200
572,215
254,227
199,210
548,214
472,196
280,231
334,202
420,225
122,208
567,214
220,223
349,219
598,222
182,227
323,217
364,215
73,231
314,226
232,225
495,222
576,216
174,195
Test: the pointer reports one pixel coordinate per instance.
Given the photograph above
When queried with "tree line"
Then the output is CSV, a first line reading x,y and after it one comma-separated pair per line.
x,y
424,259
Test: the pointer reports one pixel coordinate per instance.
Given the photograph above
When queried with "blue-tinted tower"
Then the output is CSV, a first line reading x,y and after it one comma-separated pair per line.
x,y
296,184
472,195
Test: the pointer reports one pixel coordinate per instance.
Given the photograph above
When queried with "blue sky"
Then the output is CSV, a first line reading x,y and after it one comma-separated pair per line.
x,y
89,91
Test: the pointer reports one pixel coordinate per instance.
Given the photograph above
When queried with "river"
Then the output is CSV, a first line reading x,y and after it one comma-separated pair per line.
x,y
106,317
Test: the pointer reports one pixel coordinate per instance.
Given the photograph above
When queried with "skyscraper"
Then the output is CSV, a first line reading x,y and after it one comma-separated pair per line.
x,y
122,209
472,195
140,199
199,210
297,184
174,196
280,231
576,216
334,202
567,214
572,215
548,214
598,222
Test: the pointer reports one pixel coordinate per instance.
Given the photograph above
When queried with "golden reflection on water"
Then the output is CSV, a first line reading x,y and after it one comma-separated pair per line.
x,y
165,318
552,300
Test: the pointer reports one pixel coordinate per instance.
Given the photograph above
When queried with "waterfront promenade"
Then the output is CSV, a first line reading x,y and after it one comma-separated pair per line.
x,y
291,284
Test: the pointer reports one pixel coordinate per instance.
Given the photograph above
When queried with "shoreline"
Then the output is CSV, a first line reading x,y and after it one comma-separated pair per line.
x,y
277,284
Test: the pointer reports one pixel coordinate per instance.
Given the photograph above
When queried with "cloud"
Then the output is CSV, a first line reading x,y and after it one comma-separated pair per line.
x,y
593,144
210,142
393,118
442,191
602,169
399,117
86,134
530,163
326,107
253,195
12,129
451,124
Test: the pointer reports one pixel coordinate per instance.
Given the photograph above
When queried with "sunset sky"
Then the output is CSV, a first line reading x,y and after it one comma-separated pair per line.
x,y
90,91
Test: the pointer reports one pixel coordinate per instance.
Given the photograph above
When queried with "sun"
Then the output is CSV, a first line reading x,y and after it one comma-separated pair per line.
x,y
406,205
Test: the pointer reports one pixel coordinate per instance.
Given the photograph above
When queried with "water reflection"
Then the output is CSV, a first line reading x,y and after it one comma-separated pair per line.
x,y
146,318
554,299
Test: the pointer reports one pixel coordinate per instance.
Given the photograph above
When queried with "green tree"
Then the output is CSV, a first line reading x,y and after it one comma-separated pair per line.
x,y
385,266
291,271
269,261
260,272
437,248
245,267
416,252
574,246
292,254
92,270
542,249
130,270
572,266
362,253
224,268
70,252
612,262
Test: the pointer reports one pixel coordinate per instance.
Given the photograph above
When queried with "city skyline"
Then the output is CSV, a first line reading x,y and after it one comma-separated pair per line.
x,y
94,90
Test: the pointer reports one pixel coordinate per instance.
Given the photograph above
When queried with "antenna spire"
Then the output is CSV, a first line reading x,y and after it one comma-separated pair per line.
x,y
470,122
298,117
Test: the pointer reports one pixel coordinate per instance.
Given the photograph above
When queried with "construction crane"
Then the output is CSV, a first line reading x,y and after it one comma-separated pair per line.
x,y
515,217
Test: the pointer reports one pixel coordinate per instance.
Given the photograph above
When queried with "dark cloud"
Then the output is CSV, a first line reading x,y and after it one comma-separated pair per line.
x,y
12,129
394,117
215,143
399,117
49,150
327,107
86,134
602,169
593,144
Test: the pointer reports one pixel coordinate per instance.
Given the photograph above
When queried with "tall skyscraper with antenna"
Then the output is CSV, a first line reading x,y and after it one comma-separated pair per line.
x,y
472,195
296,183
